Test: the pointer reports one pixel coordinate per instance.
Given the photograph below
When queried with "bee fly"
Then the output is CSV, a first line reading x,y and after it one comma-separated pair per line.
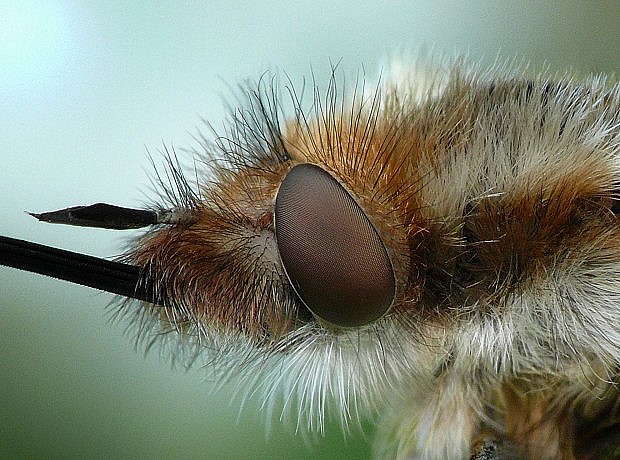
x,y
443,253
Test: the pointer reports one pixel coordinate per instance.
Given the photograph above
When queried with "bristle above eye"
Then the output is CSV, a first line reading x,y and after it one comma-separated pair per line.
x,y
615,204
333,256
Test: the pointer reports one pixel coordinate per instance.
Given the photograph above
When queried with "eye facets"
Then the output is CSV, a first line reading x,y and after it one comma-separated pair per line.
x,y
332,254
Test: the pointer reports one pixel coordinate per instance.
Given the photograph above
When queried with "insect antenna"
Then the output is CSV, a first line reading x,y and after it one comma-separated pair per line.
x,y
111,276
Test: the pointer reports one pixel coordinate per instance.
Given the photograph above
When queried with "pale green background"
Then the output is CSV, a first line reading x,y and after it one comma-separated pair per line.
x,y
86,87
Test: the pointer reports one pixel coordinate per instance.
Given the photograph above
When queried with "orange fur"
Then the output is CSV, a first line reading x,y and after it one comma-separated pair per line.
x,y
495,199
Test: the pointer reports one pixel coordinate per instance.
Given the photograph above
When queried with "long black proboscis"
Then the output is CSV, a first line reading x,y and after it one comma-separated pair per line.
x,y
115,277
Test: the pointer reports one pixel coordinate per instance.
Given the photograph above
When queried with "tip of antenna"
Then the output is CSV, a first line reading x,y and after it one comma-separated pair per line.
x,y
34,214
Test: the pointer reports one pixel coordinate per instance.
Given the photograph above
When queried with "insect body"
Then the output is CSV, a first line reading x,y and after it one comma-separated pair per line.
x,y
445,252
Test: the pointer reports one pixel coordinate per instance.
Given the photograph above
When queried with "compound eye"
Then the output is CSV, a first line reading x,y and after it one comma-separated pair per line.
x,y
331,253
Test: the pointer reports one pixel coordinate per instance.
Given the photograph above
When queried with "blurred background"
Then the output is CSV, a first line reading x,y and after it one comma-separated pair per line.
x,y
87,87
